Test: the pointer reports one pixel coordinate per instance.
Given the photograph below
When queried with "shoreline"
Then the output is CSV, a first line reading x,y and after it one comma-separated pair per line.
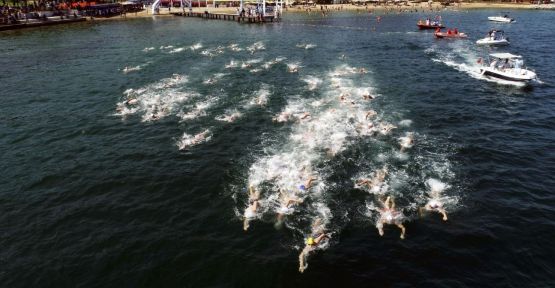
x,y
436,7
335,8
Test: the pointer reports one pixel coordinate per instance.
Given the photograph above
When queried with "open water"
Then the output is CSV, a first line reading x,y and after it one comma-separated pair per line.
x,y
95,192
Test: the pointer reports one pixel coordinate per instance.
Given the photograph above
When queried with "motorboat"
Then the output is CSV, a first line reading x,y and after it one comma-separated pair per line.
x,y
429,24
504,19
494,38
450,34
506,66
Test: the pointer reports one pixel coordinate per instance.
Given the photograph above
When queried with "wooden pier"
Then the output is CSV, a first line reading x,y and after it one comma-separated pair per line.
x,y
229,17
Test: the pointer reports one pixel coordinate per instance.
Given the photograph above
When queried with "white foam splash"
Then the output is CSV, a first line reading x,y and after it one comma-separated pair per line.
x,y
232,64
256,47
188,141
157,100
293,67
306,46
235,48
128,69
195,46
261,96
312,82
177,50
230,116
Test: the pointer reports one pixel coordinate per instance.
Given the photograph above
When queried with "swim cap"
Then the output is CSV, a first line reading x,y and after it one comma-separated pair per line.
x,y
302,187
309,241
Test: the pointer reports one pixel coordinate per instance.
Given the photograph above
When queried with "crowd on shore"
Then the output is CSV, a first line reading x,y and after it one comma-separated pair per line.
x,y
39,10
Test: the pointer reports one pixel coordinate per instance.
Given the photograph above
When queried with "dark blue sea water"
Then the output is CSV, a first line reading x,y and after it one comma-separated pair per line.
x,y
97,193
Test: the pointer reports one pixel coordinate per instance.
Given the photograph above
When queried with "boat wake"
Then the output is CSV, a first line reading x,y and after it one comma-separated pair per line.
x,y
464,59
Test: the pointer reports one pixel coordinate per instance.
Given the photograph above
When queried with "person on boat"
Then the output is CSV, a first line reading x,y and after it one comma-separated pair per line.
x,y
493,35
438,30
449,32
493,64
456,32
250,212
391,216
518,65
506,65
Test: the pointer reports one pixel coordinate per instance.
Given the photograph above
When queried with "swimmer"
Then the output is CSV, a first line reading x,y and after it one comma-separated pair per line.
x,y
389,215
366,129
312,243
435,204
286,203
304,116
282,117
131,101
376,182
250,212
362,71
385,128
308,183
292,68
407,141
229,118
343,96
370,114
367,96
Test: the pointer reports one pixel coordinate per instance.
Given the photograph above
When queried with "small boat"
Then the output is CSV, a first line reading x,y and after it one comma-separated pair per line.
x,y
504,19
450,34
507,66
494,38
423,25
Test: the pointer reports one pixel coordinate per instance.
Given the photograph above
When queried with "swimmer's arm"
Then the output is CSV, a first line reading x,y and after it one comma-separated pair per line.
x,y
444,213
319,238
309,182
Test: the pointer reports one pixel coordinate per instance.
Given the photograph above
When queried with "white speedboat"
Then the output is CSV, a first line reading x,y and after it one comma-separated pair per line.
x,y
508,67
494,38
504,19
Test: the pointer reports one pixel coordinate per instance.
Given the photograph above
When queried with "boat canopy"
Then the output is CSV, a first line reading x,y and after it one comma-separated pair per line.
x,y
505,56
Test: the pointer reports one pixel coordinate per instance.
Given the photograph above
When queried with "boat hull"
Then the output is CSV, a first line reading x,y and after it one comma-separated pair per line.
x,y
486,41
442,35
524,78
428,27
501,19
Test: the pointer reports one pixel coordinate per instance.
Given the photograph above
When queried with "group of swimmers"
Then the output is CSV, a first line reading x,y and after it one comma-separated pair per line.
x,y
389,213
